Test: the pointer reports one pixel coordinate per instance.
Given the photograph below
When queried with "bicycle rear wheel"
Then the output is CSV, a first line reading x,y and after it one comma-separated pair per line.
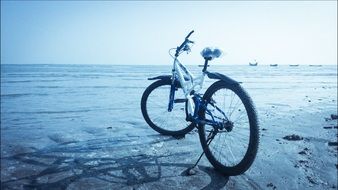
x,y
233,149
154,106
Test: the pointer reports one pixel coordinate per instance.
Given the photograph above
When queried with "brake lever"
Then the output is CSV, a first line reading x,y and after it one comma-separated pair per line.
x,y
189,41
187,48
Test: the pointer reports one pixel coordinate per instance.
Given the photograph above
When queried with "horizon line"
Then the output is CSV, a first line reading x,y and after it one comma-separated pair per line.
x,y
217,64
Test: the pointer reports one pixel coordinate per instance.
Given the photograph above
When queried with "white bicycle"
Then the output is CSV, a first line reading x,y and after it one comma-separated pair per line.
x,y
225,115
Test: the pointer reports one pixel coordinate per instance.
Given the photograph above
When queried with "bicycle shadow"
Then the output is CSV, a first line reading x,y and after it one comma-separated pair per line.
x,y
78,164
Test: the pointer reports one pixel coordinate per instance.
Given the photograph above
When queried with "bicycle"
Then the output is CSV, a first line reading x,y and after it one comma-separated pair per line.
x,y
224,116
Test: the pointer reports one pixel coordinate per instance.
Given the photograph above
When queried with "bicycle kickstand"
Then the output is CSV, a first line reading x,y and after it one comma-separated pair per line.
x,y
191,170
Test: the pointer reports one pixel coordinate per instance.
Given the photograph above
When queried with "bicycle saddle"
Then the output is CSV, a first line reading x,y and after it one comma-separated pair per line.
x,y
211,53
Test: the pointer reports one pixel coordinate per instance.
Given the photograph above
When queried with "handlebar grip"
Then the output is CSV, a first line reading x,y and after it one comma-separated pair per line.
x,y
189,34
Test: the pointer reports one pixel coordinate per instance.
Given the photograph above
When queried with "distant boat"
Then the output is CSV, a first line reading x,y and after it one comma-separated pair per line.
x,y
296,65
273,65
254,63
315,65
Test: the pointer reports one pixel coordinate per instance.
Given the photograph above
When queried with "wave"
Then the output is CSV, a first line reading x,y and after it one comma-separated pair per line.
x,y
31,81
22,94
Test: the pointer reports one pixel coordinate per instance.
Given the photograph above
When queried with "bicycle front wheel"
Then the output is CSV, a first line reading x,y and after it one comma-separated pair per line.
x,y
154,106
232,149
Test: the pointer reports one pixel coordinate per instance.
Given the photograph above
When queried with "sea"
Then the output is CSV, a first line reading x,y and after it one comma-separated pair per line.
x,y
53,94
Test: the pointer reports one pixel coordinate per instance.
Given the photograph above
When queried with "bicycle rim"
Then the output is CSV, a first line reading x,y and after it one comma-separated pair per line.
x,y
228,148
173,122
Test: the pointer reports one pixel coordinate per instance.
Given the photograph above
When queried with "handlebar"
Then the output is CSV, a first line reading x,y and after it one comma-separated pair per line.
x,y
189,34
183,44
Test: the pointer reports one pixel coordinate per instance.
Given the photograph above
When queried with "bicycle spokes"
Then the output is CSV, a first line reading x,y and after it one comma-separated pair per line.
x,y
232,139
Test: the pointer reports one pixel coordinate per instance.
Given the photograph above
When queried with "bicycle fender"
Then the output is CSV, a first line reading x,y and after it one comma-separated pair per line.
x,y
219,76
161,77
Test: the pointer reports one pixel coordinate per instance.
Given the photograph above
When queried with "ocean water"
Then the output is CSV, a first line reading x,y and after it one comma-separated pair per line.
x,y
56,96
66,122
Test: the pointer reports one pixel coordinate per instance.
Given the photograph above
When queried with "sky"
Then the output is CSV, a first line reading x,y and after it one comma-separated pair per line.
x,y
142,32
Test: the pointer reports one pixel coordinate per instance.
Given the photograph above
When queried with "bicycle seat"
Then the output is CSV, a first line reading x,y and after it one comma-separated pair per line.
x,y
211,53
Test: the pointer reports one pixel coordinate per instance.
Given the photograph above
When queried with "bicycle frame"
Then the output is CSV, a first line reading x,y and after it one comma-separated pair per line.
x,y
191,86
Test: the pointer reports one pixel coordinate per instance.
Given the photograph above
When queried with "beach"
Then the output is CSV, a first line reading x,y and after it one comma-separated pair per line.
x,y
81,127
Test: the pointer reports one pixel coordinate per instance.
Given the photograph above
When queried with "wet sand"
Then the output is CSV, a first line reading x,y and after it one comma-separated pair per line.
x,y
97,148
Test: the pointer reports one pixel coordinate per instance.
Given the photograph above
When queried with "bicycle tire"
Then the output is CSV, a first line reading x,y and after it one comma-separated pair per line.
x,y
174,122
244,163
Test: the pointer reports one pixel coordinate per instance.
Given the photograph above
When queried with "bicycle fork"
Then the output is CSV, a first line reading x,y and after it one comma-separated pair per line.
x,y
171,97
